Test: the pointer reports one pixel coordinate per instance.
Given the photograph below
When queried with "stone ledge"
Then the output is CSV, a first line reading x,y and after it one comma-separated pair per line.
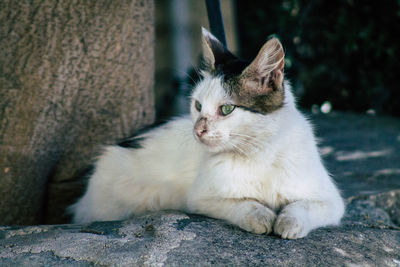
x,y
368,236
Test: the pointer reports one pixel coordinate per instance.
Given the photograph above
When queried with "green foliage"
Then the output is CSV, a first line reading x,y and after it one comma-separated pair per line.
x,y
345,52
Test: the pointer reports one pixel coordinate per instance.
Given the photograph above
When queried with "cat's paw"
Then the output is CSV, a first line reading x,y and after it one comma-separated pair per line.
x,y
289,226
259,219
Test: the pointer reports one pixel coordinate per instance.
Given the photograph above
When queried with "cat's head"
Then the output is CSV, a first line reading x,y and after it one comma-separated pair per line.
x,y
234,97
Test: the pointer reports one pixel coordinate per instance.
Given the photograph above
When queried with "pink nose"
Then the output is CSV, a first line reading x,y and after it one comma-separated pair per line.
x,y
201,132
201,127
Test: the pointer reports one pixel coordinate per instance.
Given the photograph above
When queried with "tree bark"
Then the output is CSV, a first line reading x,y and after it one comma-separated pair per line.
x,y
74,75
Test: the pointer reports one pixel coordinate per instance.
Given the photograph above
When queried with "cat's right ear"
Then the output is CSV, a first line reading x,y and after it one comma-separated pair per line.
x,y
265,73
214,52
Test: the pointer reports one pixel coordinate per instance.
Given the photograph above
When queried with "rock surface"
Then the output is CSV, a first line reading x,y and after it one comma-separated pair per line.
x,y
368,236
361,151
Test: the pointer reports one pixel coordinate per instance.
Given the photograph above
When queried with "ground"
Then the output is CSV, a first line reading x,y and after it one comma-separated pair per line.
x,y
361,151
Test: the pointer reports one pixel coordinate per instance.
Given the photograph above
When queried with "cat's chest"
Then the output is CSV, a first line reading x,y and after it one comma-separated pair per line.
x,y
243,178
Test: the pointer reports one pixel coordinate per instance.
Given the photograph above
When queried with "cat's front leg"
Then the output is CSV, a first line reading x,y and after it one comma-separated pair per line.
x,y
297,219
249,215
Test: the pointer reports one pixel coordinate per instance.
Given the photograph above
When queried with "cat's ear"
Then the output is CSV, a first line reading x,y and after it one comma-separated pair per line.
x,y
265,73
214,52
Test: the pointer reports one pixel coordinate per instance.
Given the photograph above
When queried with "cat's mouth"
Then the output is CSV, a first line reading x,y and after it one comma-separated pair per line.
x,y
209,142
212,143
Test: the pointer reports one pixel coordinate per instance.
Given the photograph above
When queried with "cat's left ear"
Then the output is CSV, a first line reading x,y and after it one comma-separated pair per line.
x,y
265,73
214,52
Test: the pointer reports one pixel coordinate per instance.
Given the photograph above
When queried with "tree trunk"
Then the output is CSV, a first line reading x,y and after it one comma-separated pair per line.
x,y
74,75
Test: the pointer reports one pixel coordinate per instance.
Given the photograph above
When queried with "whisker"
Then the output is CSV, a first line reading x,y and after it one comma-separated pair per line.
x,y
248,139
238,149
251,144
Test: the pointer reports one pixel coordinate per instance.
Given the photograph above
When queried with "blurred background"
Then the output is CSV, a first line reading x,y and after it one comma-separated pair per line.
x,y
340,56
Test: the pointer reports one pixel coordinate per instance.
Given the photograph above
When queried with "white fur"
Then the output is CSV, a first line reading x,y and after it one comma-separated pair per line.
x,y
260,172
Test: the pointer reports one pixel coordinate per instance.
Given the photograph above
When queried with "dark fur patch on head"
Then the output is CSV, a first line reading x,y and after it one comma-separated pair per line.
x,y
230,69
259,103
263,104
257,86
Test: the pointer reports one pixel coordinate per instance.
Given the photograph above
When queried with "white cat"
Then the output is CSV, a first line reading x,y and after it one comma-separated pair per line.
x,y
246,156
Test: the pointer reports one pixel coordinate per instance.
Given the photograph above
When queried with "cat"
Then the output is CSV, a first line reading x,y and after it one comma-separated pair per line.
x,y
245,155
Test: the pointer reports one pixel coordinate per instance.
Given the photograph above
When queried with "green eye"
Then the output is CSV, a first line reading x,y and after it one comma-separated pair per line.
x,y
227,109
197,105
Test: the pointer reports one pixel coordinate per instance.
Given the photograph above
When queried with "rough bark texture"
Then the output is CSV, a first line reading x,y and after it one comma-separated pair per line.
x,y
73,75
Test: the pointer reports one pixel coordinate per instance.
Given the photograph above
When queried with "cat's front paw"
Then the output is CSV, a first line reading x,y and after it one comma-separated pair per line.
x,y
259,219
290,226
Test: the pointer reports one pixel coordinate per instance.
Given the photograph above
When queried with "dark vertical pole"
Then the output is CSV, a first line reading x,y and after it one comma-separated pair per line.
x,y
215,20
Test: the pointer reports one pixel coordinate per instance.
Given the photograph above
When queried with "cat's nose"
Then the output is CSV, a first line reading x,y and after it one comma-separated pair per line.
x,y
201,132
201,128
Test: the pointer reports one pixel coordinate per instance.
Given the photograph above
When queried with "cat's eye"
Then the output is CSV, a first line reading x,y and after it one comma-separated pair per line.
x,y
226,109
197,105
